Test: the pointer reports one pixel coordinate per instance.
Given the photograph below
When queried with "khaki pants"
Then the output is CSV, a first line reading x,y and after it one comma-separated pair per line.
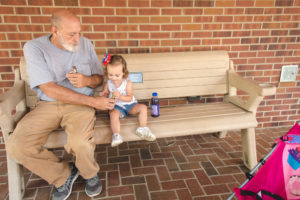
x,y
25,144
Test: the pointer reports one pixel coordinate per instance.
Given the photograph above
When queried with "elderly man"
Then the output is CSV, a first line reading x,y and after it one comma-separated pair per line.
x,y
63,69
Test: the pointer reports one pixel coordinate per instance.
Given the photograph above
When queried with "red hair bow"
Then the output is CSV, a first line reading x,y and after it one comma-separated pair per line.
x,y
106,59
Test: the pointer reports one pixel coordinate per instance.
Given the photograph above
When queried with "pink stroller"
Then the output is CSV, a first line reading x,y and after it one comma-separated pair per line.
x,y
279,175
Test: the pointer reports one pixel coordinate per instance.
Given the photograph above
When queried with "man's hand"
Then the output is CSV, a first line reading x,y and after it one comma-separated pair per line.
x,y
78,80
102,103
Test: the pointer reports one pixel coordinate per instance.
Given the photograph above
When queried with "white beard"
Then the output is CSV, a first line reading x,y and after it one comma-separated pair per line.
x,y
69,47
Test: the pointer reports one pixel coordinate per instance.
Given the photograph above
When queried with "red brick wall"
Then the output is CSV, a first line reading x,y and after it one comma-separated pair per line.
x,y
260,36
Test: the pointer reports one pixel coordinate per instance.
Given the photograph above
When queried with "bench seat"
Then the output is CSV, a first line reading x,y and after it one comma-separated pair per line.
x,y
173,121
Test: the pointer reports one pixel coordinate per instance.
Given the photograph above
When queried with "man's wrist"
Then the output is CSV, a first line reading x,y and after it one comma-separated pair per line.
x,y
90,81
90,101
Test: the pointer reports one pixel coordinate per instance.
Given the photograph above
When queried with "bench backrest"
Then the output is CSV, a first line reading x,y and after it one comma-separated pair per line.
x,y
176,74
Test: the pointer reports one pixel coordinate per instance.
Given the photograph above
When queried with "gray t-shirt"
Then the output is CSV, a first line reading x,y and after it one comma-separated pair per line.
x,y
48,63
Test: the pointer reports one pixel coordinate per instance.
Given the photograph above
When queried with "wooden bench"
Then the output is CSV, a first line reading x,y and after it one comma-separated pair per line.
x,y
172,75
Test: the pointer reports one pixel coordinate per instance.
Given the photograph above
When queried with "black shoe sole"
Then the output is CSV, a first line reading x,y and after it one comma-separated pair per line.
x,y
93,195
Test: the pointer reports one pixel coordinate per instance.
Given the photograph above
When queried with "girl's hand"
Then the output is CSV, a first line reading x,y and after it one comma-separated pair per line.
x,y
103,94
116,94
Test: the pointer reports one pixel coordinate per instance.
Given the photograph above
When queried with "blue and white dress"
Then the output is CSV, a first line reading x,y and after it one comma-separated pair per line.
x,y
122,106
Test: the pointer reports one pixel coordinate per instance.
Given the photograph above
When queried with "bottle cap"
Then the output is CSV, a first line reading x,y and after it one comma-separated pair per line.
x,y
154,94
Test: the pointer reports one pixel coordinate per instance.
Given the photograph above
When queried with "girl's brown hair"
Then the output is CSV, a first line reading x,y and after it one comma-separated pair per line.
x,y
115,60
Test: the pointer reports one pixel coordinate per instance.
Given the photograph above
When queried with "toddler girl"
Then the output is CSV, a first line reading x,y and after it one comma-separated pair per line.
x,y
118,86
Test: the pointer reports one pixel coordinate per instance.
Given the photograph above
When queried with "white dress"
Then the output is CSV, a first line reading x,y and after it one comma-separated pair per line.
x,y
122,90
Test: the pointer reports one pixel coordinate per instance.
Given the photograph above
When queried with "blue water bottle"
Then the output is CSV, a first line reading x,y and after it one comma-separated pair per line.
x,y
155,105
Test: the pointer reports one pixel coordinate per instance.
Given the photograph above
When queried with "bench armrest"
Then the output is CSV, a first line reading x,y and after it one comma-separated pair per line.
x,y
255,91
10,101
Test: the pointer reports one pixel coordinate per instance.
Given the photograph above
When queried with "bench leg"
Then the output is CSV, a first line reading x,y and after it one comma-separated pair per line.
x,y
221,134
16,185
249,147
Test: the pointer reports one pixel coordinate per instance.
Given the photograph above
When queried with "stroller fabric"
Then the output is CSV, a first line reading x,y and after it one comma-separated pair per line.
x,y
279,177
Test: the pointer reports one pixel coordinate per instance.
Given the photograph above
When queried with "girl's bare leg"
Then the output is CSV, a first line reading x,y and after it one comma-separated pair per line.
x,y
143,131
115,121
115,128
141,110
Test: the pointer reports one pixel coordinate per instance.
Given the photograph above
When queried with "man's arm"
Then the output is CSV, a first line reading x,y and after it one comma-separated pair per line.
x,y
66,95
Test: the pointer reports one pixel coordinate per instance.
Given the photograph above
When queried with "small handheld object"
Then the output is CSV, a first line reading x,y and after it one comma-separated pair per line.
x,y
112,96
74,70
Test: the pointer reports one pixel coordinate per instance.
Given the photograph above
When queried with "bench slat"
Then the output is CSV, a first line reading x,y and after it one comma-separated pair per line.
x,y
167,83
174,74
183,64
179,60
181,91
170,113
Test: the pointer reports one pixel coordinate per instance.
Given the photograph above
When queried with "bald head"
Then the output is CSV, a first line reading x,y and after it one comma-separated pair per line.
x,y
65,30
61,17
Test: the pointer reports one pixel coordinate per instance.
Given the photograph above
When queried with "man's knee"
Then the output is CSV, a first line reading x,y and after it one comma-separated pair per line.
x,y
15,147
18,148
78,145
